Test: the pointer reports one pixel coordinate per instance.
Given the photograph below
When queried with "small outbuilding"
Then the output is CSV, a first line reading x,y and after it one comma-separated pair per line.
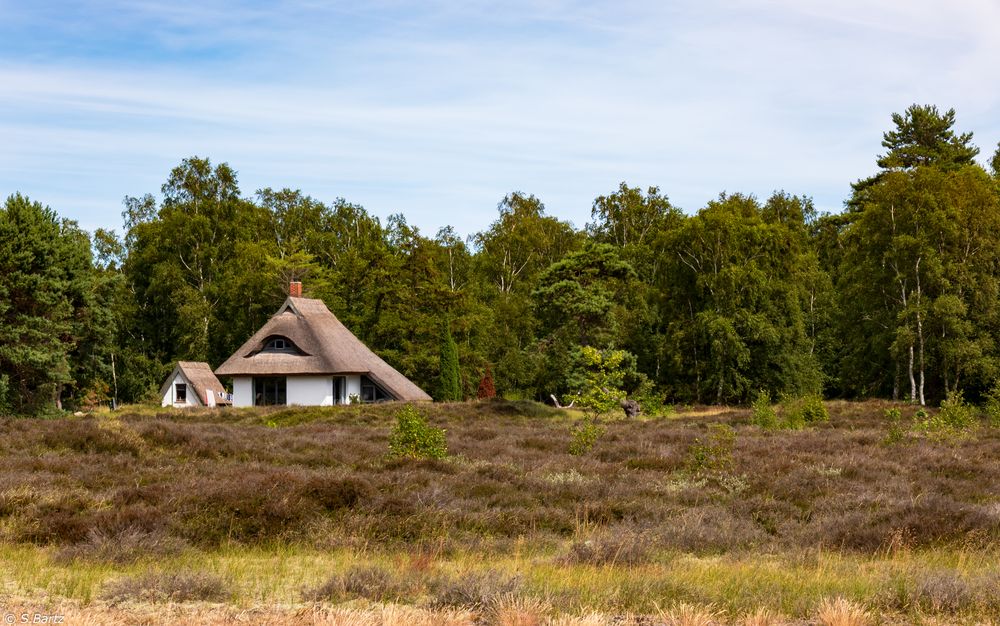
x,y
304,355
191,384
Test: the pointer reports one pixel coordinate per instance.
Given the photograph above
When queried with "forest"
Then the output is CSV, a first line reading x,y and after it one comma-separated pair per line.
x,y
897,296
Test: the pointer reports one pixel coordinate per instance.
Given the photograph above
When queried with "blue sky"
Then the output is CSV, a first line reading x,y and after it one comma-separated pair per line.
x,y
438,109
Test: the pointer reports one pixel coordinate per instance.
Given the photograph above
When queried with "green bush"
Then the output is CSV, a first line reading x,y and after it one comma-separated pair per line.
x,y
896,433
4,394
762,414
992,406
414,438
956,413
584,435
954,417
797,413
715,453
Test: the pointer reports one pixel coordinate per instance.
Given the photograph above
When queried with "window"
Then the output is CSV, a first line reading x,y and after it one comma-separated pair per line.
x,y
180,393
371,392
280,344
269,391
338,390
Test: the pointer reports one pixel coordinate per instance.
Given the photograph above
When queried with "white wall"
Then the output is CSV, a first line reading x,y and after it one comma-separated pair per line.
x,y
170,399
353,382
310,390
242,391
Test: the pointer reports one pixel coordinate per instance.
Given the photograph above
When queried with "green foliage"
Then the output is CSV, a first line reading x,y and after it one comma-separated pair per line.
x,y
47,305
955,418
992,405
896,433
714,454
583,437
762,413
956,413
4,394
603,376
450,382
414,438
799,412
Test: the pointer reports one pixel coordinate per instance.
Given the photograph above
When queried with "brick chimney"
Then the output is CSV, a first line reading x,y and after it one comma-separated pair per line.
x,y
295,289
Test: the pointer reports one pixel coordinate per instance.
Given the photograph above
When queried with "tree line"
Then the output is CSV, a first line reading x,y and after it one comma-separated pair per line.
x,y
896,296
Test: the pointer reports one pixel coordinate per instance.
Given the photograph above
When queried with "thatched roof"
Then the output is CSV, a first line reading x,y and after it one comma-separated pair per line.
x,y
201,379
323,346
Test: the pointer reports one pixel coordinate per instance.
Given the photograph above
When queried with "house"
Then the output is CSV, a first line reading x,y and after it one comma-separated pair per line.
x,y
304,355
193,384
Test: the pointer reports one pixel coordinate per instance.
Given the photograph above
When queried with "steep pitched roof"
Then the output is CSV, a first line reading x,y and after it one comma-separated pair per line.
x,y
324,346
199,375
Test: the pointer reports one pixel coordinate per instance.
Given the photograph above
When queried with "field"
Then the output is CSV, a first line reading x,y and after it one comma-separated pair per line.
x,y
300,516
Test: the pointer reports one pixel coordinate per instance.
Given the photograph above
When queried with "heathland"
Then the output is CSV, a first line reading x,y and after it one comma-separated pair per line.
x,y
879,513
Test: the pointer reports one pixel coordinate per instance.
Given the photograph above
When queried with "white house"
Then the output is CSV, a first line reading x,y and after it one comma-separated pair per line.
x,y
304,355
192,384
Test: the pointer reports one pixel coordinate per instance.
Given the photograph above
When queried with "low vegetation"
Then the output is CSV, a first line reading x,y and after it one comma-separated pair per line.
x,y
704,511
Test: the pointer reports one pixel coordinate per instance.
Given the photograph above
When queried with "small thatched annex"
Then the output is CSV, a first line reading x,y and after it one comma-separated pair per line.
x,y
192,384
304,355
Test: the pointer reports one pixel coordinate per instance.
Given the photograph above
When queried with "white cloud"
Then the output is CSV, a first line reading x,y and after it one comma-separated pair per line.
x,y
438,110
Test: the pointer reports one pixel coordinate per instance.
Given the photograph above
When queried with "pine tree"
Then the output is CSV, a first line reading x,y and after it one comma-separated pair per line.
x,y
45,300
450,382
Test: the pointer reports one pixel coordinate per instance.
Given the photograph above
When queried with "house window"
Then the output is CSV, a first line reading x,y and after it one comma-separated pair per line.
x,y
280,344
371,392
338,389
269,391
180,393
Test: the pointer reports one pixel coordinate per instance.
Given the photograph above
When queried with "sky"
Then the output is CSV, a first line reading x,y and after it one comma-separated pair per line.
x,y
438,109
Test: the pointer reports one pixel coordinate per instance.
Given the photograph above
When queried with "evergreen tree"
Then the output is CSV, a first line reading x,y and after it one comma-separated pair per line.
x,y
46,304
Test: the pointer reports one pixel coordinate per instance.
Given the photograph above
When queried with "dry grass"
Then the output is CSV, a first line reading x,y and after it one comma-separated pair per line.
x,y
842,612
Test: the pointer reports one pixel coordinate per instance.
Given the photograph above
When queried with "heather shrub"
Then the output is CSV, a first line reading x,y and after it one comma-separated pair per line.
x,y
942,592
123,548
583,436
472,589
414,438
254,505
714,454
369,582
336,493
762,414
167,587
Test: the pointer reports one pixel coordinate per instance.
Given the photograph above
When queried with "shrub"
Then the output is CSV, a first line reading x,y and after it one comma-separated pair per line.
x,y
953,418
584,436
168,587
992,406
896,432
414,438
369,582
762,414
121,548
715,453
956,413
4,394
473,589
487,390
